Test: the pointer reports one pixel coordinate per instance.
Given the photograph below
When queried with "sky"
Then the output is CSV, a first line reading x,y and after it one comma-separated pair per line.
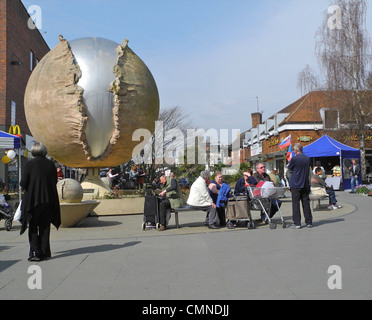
x,y
214,58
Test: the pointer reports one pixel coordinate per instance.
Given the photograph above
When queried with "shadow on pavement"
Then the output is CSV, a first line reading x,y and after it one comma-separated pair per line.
x,y
94,249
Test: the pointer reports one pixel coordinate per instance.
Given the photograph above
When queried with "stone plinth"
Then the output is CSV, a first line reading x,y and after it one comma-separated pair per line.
x,y
73,213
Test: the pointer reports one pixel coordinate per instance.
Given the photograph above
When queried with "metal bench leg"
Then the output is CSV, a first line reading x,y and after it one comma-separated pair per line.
x,y
176,218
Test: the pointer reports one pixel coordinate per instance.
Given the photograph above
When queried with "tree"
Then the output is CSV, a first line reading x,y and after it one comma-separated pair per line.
x,y
169,134
344,55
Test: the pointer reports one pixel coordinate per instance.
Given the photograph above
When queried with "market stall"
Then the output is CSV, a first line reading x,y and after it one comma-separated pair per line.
x,y
326,147
9,142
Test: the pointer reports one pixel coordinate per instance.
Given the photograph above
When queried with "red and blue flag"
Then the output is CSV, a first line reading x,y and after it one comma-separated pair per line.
x,y
289,153
286,142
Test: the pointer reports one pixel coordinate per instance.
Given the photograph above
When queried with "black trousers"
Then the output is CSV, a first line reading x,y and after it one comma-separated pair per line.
x,y
303,196
221,216
39,231
163,207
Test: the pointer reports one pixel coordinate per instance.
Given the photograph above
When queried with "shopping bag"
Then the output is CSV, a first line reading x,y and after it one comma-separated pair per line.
x,y
17,215
237,210
268,189
264,189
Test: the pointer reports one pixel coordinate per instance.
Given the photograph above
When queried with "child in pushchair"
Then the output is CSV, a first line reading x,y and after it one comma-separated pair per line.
x,y
6,213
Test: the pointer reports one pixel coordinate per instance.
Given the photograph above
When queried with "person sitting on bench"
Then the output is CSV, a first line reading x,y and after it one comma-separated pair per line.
x,y
319,187
271,204
171,197
243,183
200,199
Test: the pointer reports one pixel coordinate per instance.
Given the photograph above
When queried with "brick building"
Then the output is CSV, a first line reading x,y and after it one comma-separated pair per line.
x,y
306,120
20,50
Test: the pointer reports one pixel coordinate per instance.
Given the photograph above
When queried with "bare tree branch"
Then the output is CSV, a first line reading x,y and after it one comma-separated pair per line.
x,y
345,60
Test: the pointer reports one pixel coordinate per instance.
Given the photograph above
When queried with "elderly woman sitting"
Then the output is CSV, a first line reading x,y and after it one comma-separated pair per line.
x,y
243,183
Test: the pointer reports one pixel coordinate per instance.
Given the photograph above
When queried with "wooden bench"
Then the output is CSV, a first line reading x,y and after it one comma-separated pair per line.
x,y
182,209
317,197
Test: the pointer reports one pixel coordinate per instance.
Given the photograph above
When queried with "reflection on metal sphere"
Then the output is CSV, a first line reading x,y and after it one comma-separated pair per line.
x,y
85,99
96,58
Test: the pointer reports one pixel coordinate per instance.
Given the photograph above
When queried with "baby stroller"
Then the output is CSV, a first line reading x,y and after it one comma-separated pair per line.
x,y
6,213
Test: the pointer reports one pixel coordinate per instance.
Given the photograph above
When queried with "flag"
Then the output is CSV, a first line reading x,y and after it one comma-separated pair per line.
x,y
285,143
289,153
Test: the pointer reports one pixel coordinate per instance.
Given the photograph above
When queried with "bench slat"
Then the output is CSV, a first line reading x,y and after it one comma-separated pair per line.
x,y
182,209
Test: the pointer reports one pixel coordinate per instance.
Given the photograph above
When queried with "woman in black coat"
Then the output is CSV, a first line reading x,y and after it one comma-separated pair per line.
x,y
40,203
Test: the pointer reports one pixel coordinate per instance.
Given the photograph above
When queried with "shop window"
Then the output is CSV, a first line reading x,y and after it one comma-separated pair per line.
x,y
32,60
13,110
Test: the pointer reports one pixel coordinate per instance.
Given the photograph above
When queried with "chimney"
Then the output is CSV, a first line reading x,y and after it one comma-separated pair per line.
x,y
256,119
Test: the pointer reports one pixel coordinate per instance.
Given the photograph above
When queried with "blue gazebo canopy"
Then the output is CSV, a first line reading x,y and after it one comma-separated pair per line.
x,y
9,141
328,147
325,146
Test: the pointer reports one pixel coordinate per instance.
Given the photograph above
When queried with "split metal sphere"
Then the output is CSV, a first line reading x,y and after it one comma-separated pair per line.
x,y
85,99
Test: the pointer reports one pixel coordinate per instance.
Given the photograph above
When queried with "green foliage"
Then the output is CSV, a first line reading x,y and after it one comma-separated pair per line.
x,y
363,189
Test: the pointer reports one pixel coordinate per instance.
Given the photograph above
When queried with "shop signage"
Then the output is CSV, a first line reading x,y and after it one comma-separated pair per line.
x,y
305,138
273,141
355,137
15,130
256,149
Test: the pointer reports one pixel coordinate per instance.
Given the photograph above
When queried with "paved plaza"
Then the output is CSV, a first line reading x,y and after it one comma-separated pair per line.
x,y
110,257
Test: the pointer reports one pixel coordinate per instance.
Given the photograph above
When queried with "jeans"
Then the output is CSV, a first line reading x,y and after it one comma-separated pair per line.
x,y
332,196
353,182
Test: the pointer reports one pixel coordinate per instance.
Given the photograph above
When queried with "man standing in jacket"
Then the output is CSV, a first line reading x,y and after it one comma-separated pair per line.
x,y
300,187
200,199
354,174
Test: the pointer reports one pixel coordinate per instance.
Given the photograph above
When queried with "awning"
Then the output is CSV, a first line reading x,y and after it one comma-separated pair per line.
x,y
9,141
325,146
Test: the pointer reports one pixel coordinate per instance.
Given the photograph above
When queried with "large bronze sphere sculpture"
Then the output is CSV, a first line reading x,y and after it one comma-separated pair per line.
x,y
85,99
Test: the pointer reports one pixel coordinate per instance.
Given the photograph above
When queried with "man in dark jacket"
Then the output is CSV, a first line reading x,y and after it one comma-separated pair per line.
x,y
260,174
40,203
354,174
300,187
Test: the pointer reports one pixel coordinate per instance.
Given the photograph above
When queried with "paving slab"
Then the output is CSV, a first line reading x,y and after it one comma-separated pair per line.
x,y
111,257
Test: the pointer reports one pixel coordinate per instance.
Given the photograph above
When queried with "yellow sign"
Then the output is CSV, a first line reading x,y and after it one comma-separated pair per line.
x,y
15,130
273,141
305,138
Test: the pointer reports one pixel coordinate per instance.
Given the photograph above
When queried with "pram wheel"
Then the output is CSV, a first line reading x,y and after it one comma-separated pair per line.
x,y
229,225
8,224
272,225
284,225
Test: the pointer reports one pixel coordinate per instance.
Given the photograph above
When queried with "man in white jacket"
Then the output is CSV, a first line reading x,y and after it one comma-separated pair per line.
x,y
200,199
